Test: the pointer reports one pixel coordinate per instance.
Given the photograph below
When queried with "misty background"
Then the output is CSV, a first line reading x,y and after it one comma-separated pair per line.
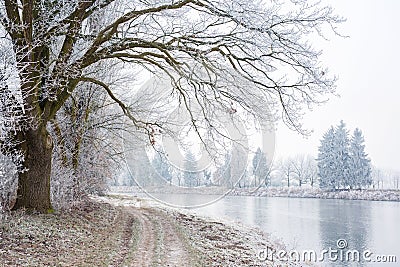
x,y
366,64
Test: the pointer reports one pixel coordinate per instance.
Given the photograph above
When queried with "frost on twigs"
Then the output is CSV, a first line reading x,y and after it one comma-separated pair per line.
x,y
86,148
12,119
218,55
8,181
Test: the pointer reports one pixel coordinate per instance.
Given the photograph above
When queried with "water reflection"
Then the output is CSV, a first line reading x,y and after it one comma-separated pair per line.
x,y
345,220
313,224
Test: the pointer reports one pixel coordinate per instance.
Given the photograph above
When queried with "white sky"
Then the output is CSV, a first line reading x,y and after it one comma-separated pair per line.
x,y
366,64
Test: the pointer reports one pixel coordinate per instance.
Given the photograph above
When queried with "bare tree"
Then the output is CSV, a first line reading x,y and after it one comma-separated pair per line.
x,y
304,168
312,174
395,179
384,178
287,169
377,177
214,52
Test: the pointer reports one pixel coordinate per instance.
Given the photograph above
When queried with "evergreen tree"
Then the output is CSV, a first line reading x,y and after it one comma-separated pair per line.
x,y
207,177
190,174
341,150
343,163
162,167
224,172
360,164
260,167
140,171
327,160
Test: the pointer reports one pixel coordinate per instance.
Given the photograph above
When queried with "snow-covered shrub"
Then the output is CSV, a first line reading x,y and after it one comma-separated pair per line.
x,y
8,180
12,119
86,146
62,185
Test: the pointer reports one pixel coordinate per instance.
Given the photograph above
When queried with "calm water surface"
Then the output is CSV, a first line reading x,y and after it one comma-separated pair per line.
x,y
311,224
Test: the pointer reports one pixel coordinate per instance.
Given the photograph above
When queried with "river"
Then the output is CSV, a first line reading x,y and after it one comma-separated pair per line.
x,y
371,227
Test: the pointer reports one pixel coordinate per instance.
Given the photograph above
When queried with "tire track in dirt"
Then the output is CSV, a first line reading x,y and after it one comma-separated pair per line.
x,y
175,253
125,239
158,242
145,248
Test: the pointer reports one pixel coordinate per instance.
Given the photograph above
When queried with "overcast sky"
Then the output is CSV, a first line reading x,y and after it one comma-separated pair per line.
x,y
366,64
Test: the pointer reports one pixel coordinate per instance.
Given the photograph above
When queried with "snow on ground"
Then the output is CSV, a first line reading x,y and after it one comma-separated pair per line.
x,y
122,230
88,235
301,192
215,241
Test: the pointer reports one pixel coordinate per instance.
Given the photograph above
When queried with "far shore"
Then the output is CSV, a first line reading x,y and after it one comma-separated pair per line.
x,y
293,192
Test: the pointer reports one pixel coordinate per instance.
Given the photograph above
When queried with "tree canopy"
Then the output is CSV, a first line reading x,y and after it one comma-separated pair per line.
x,y
215,53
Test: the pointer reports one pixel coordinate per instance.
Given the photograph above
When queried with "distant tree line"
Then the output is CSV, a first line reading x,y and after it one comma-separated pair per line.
x,y
342,163
232,171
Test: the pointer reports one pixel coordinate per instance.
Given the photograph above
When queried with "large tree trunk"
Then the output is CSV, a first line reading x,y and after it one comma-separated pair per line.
x,y
34,184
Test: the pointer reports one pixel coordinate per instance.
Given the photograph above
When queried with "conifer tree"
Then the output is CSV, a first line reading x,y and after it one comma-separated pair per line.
x,y
360,164
341,151
326,160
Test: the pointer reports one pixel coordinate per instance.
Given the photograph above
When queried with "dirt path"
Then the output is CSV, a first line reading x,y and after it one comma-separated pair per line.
x,y
151,239
145,248
115,231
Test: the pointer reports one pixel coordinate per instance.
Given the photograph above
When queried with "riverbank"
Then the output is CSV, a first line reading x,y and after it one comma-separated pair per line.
x,y
298,192
127,231
295,192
